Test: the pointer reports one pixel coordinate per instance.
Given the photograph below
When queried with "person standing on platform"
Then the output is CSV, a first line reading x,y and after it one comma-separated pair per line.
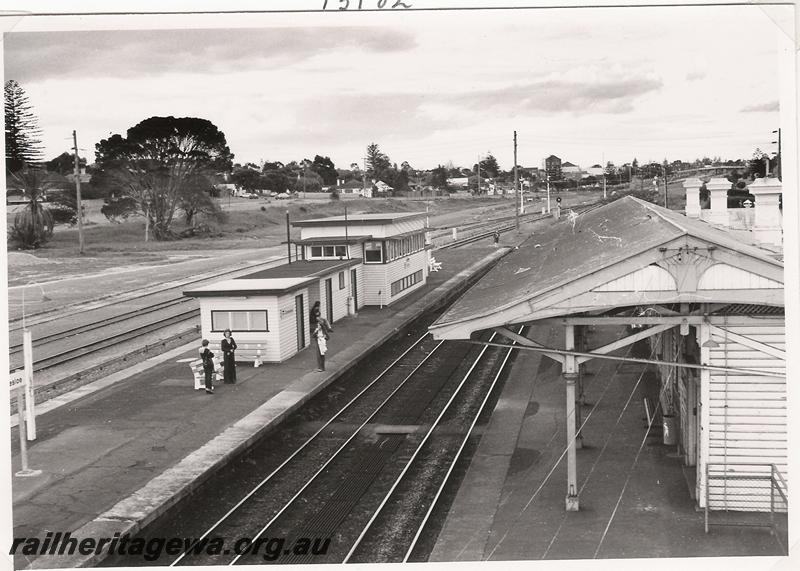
x,y
207,357
228,347
320,338
314,315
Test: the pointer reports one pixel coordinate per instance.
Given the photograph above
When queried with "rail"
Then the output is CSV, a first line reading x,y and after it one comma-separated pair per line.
x,y
436,425
745,493
321,432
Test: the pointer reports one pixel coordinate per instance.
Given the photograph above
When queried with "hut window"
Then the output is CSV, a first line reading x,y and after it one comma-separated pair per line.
x,y
341,280
239,320
328,251
373,253
316,251
341,251
406,282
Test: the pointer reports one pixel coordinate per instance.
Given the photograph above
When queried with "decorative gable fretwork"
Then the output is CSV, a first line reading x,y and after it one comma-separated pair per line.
x,y
649,278
723,276
686,266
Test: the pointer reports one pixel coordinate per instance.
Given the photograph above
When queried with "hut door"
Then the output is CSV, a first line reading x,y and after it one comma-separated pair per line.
x,y
354,288
329,299
301,321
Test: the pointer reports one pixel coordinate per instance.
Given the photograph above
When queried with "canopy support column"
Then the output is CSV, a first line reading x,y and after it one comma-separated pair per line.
x,y
570,374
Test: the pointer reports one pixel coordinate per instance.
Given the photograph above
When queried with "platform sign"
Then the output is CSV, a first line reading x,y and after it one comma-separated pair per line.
x,y
16,380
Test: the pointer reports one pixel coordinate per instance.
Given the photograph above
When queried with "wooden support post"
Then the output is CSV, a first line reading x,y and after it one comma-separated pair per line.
x,y
572,367
570,376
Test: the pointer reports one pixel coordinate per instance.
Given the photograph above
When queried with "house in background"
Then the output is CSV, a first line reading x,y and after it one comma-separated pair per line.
x,y
552,166
571,171
595,170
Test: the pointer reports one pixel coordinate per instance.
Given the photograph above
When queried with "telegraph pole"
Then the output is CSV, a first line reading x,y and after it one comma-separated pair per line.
x,y
479,175
288,239
516,182
780,158
604,175
78,193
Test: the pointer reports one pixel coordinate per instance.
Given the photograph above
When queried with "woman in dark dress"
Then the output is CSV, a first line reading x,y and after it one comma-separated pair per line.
x,y
314,315
228,346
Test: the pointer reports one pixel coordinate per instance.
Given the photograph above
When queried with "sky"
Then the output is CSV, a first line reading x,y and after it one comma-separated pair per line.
x,y
429,88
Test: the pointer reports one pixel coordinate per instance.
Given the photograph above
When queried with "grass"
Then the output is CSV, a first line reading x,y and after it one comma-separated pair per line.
x,y
251,227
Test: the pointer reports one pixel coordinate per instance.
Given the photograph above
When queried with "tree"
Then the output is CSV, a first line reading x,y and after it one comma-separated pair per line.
x,y
33,226
757,166
325,168
489,167
197,200
377,162
308,182
160,161
22,131
439,177
63,164
247,179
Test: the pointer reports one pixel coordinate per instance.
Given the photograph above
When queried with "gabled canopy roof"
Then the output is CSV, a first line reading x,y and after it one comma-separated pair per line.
x,y
628,252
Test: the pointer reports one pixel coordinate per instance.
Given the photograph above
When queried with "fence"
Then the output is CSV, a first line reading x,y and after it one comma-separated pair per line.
x,y
751,495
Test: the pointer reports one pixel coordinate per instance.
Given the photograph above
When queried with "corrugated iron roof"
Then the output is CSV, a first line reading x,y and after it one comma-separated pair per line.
x,y
579,245
373,218
274,281
335,239
302,269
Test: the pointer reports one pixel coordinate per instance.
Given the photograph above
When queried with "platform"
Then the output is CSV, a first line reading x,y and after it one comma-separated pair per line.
x,y
117,457
634,498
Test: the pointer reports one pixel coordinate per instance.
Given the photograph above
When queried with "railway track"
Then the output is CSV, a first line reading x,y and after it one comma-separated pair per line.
x,y
499,225
88,327
338,483
86,348
61,355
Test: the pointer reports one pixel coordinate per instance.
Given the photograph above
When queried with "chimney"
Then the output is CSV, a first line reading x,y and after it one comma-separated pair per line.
x,y
718,193
692,186
768,226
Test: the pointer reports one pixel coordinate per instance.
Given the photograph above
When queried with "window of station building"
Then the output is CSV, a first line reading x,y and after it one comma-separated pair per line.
x,y
373,252
341,280
406,282
239,320
332,251
400,247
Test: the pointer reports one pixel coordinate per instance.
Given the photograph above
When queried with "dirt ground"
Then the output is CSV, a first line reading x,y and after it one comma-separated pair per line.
x,y
247,225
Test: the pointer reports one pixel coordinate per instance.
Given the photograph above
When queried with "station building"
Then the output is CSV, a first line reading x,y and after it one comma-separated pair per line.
x,y
344,263
391,246
708,299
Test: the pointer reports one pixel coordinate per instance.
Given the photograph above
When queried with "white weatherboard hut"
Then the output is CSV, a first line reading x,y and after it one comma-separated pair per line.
x,y
710,301
392,246
269,309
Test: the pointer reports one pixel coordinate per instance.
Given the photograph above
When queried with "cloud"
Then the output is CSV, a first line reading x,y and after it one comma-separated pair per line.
x,y
559,95
762,107
36,56
362,117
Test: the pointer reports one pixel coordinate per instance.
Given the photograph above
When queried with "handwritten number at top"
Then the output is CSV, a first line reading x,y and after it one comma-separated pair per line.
x,y
345,4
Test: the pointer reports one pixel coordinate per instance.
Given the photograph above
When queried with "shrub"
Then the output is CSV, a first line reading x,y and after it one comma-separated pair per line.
x,y
118,209
334,195
63,214
32,229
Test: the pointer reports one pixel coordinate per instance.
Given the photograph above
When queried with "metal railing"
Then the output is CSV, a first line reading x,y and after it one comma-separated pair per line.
x,y
749,495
